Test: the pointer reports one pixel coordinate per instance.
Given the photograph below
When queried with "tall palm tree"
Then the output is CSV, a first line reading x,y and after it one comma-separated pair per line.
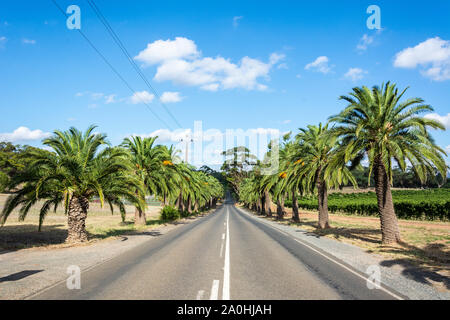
x,y
377,125
73,173
294,179
323,167
148,162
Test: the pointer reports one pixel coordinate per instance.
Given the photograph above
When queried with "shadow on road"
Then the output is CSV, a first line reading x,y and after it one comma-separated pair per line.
x,y
19,275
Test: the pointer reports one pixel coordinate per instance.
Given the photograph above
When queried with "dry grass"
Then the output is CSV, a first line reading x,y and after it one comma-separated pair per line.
x,y
100,224
426,244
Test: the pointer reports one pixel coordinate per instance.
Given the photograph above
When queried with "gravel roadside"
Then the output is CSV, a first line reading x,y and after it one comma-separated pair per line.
x,y
409,281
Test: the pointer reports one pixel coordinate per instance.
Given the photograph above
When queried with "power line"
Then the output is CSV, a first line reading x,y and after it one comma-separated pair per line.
x,y
116,39
113,69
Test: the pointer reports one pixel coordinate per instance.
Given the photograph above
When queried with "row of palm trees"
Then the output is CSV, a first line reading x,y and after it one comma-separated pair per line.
x,y
81,166
376,126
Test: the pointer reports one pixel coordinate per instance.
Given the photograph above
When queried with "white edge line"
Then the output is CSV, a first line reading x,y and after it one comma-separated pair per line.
x,y
329,258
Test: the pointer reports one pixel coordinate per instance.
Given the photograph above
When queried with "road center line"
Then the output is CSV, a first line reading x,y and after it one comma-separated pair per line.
x,y
226,268
221,249
214,290
200,294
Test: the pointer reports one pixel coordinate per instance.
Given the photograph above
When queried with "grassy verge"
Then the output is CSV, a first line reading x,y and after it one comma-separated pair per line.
x,y
426,244
100,225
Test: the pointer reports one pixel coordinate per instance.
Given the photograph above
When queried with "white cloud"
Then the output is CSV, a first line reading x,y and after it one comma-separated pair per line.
x,y
163,50
364,42
275,58
142,97
96,96
28,41
355,74
171,97
210,87
286,121
165,135
3,39
24,134
179,61
110,99
445,120
433,55
447,149
319,65
236,21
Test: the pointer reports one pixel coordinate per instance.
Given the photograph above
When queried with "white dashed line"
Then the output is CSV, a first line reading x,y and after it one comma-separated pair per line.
x,y
214,290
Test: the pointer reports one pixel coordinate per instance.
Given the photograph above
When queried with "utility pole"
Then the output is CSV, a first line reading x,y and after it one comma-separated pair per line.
x,y
187,140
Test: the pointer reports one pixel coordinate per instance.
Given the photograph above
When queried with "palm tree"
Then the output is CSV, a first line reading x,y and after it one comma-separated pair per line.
x,y
74,173
322,166
293,181
148,162
377,125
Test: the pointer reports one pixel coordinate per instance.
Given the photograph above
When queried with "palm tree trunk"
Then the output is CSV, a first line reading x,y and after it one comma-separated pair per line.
x,y
389,224
196,206
279,209
263,205
268,202
179,202
323,204
139,217
189,206
295,215
258,206
283,208
76,219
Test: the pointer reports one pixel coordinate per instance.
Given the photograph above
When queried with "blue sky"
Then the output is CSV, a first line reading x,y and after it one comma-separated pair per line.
x,y
231,64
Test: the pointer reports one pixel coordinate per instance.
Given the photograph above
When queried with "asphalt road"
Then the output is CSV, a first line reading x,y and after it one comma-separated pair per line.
x,y
225,255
